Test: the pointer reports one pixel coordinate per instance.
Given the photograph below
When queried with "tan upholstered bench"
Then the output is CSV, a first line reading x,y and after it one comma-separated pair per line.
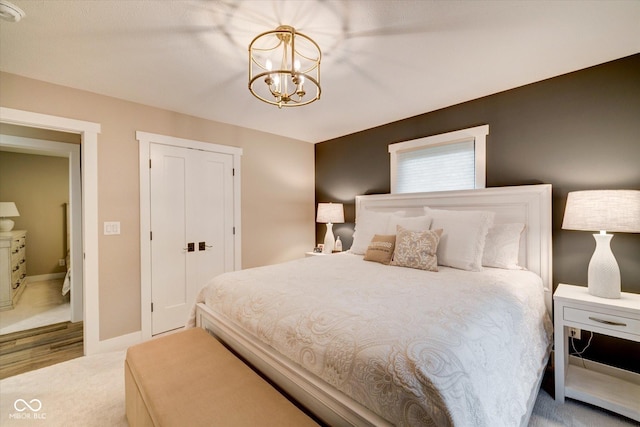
x,y
190,379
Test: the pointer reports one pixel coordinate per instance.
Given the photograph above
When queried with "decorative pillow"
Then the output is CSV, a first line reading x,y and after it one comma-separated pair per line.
x,y
413,223
368,224
462,243
502,246
416,249
381,248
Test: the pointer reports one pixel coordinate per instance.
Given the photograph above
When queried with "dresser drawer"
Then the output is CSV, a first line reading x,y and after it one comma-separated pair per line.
x,y
602,320
18,275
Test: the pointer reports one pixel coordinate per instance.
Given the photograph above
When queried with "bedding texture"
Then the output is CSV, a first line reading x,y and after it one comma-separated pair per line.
x,y
455,347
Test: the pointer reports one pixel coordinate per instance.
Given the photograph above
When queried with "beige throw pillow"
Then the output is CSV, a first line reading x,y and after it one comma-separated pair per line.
x,y
416,249
381,248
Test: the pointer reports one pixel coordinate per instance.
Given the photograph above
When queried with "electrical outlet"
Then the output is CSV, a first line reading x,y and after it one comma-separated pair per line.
x,y
574,333
61,262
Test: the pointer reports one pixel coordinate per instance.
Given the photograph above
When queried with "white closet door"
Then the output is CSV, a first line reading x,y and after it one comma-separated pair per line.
x,y
192,228
212,227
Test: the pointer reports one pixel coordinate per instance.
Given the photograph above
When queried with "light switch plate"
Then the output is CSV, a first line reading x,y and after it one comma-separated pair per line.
x,y
111,228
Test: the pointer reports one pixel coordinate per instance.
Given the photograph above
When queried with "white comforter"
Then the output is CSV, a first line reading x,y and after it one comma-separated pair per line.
x,y
417,348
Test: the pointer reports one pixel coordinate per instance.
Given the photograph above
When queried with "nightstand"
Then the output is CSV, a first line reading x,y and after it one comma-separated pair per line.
x,y
310,253
608,387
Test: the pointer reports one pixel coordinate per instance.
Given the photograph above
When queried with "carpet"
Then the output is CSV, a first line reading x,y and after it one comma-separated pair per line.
x,y
89,391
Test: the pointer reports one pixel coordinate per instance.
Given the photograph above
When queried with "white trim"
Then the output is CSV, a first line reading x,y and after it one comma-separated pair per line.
x,y
478,134
145,139
72,152
45,121
89,134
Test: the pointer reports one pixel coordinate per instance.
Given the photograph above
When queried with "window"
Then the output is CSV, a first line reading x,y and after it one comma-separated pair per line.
x,y
449,161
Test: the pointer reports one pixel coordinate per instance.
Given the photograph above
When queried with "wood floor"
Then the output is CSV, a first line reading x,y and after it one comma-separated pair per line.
x,y
25,351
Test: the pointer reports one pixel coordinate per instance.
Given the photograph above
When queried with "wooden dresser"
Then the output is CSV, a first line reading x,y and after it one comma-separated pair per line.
x,y
13,267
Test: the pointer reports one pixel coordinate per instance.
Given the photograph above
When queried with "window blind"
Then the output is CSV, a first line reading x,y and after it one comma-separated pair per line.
x,y
436,168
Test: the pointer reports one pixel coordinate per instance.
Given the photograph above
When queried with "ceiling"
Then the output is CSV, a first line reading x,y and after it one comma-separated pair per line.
x,y
382,61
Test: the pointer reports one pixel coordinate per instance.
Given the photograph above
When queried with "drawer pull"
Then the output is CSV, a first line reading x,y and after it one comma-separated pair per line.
x,y
607,322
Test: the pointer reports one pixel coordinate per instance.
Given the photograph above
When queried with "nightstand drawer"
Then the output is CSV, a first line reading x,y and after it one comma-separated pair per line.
x,y
603,321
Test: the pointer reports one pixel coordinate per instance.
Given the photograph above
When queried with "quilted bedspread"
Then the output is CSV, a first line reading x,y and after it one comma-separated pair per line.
x,y
418,348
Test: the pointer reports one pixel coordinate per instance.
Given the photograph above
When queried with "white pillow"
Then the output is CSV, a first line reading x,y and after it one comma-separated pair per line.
x,y
411,223
463,237
368,224
502,246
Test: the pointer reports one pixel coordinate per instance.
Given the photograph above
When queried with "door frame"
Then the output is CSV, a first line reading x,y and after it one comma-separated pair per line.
x,y
88,132
72,153
145,139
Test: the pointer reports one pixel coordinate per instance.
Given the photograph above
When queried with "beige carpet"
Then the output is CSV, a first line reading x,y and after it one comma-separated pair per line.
x,y
89,391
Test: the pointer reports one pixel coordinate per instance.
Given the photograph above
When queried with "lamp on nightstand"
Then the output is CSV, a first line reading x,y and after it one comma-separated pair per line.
x,y
601,210
7,209
330,213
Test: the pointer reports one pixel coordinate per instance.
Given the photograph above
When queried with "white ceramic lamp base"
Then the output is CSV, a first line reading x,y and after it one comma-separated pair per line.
x,y
6,224
604,273
329,240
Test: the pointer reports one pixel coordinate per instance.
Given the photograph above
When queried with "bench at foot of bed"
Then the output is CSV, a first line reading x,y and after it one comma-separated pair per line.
x,y
189,378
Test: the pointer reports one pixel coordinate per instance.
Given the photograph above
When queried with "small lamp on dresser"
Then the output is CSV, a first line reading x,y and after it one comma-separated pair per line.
x,y
603,210
7,209
330,213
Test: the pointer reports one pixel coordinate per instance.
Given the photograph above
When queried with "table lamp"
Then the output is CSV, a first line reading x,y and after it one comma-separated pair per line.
x,y
7,209
330,213
603,210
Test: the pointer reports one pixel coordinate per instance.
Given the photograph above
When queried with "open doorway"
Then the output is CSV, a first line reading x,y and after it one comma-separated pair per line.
x,y
87,249
41,174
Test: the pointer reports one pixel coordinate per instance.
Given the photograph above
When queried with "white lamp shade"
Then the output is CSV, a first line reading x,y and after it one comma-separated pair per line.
x,y
330,213
8,209
596,210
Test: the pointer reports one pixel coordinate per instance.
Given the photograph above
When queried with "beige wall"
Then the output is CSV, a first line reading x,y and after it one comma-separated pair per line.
x,y
277,186
39,186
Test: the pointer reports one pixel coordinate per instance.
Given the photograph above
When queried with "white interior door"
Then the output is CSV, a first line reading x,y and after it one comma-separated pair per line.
x,y
192,241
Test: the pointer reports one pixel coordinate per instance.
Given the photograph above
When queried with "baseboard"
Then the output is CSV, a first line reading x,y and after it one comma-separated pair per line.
x,y
43,277
116,344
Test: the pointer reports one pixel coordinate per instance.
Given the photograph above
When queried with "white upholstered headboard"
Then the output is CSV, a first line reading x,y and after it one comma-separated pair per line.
x,y
528,204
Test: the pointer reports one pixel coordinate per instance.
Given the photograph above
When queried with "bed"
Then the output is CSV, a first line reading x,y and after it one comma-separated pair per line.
x,y
358,342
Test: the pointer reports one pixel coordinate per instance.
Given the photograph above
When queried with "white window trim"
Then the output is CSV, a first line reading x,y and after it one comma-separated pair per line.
x,y
478,134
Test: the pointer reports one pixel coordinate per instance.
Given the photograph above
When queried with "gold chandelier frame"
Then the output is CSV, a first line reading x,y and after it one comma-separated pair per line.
x,y
298,57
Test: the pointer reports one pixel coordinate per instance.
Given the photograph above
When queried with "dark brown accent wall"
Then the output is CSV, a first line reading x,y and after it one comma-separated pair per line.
x,y
577,131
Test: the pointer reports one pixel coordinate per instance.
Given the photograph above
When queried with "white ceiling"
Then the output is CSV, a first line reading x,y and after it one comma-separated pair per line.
x,y
383,60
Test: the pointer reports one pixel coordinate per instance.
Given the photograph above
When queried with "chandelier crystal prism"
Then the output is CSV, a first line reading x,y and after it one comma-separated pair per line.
x,y
284,68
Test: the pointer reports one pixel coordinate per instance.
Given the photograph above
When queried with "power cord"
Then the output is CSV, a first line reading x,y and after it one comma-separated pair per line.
x,y
579,353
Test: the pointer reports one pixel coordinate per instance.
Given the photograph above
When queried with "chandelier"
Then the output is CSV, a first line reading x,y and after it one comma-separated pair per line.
x,y
284,68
